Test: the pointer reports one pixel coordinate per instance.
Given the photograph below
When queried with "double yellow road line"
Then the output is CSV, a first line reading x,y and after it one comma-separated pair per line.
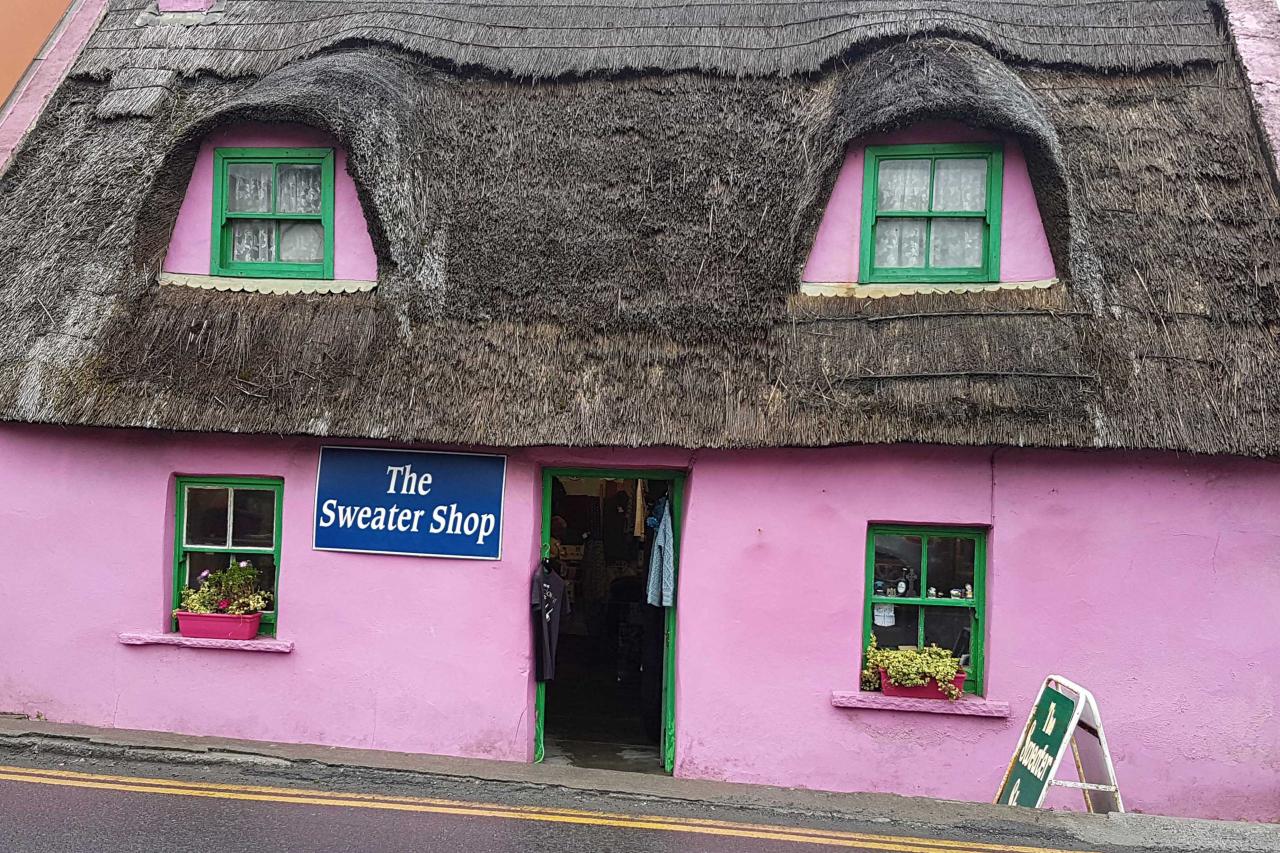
x,y
299,796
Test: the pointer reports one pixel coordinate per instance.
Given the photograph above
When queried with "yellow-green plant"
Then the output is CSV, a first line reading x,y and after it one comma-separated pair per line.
x,y
231,590
911,668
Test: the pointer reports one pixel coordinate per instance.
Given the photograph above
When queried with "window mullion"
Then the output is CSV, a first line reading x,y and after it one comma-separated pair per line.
x,y
924,565
991,203
219,549
933,178
231,502
275,206
928,243
924,553
182,516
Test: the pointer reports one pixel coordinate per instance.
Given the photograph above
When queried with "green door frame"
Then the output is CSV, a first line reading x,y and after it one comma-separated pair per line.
x,y
677,478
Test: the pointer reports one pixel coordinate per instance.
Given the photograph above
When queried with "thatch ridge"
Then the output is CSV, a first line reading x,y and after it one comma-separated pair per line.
x,y
615,261
543,40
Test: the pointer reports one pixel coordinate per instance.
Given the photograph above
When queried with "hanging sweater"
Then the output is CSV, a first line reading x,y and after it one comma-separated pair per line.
x,y
661,589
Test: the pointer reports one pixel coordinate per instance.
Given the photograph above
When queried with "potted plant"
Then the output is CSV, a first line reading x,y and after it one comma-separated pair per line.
x,y
227,604
929,673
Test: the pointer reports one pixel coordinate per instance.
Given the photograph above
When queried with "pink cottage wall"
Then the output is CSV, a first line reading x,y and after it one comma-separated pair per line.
x,y
190,246
1024,250
1152,579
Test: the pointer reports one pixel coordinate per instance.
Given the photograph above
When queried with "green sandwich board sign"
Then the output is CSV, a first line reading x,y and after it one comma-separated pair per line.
x,y
1064,714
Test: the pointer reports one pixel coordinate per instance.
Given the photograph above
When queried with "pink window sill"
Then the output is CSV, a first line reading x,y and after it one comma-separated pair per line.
x,y
160,638
965,706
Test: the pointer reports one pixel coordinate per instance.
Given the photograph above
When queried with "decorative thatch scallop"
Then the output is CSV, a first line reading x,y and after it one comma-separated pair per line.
x,y
365,102
931,79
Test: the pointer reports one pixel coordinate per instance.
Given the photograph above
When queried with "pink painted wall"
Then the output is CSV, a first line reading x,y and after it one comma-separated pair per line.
x,y
190,244
397,653
1152,579
1024,251
1256,27
45,74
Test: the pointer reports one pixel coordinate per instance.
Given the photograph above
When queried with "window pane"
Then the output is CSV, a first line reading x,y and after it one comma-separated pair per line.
x,y
960,185
957,243
951,566
206,516
266,565
253,240
896,625
299,189
949,628
899,243
302,242
249,187
903,185
897,566
198,563
254,518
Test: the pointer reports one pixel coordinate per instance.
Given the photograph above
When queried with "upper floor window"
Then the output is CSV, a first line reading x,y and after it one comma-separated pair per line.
x,y
273,212
931,213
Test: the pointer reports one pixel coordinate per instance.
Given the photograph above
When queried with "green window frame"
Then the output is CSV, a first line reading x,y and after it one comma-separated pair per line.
x,y
943,609
190,558
225,160
873,217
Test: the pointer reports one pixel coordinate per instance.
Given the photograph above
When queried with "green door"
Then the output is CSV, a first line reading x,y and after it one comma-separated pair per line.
x,y
677,479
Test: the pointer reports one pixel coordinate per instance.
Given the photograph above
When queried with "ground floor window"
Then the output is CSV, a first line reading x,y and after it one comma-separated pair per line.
x,y
223,519
927,586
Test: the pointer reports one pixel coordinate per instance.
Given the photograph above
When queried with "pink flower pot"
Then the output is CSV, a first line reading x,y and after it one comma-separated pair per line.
x,y
929,690
218,626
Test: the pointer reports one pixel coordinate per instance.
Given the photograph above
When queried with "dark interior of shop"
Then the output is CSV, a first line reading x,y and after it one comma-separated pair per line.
x,y
604,706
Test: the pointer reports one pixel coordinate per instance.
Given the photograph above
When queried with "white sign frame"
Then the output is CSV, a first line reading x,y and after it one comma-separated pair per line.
x,y
1087,718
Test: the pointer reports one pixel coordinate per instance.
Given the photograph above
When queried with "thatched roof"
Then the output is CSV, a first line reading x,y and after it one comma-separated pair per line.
x,y
614,259
553,38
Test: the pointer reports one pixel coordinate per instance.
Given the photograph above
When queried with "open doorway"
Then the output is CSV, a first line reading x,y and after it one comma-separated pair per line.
x,y
611,536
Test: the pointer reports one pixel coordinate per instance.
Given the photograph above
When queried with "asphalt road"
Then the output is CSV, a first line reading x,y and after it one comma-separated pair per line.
x,y
43,819
48,809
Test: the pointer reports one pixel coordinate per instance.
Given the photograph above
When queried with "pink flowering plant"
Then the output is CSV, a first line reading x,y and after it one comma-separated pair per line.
x,y
232,590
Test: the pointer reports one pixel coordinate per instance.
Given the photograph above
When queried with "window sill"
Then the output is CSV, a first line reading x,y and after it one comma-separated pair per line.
x,y
160,638
878,291
264,285
965,706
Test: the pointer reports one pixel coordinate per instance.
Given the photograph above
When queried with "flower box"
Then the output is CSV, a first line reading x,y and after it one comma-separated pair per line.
x,y
928,690
218,626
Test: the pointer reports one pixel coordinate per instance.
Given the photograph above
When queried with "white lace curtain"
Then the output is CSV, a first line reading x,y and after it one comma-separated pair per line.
x,y
254,241
298,188
952,184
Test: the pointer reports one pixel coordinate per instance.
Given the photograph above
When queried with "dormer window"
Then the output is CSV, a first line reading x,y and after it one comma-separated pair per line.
x,y
933,213
934,208
271,208
273,212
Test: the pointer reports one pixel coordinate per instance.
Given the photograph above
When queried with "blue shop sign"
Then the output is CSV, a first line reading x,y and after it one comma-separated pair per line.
x,y
414,502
